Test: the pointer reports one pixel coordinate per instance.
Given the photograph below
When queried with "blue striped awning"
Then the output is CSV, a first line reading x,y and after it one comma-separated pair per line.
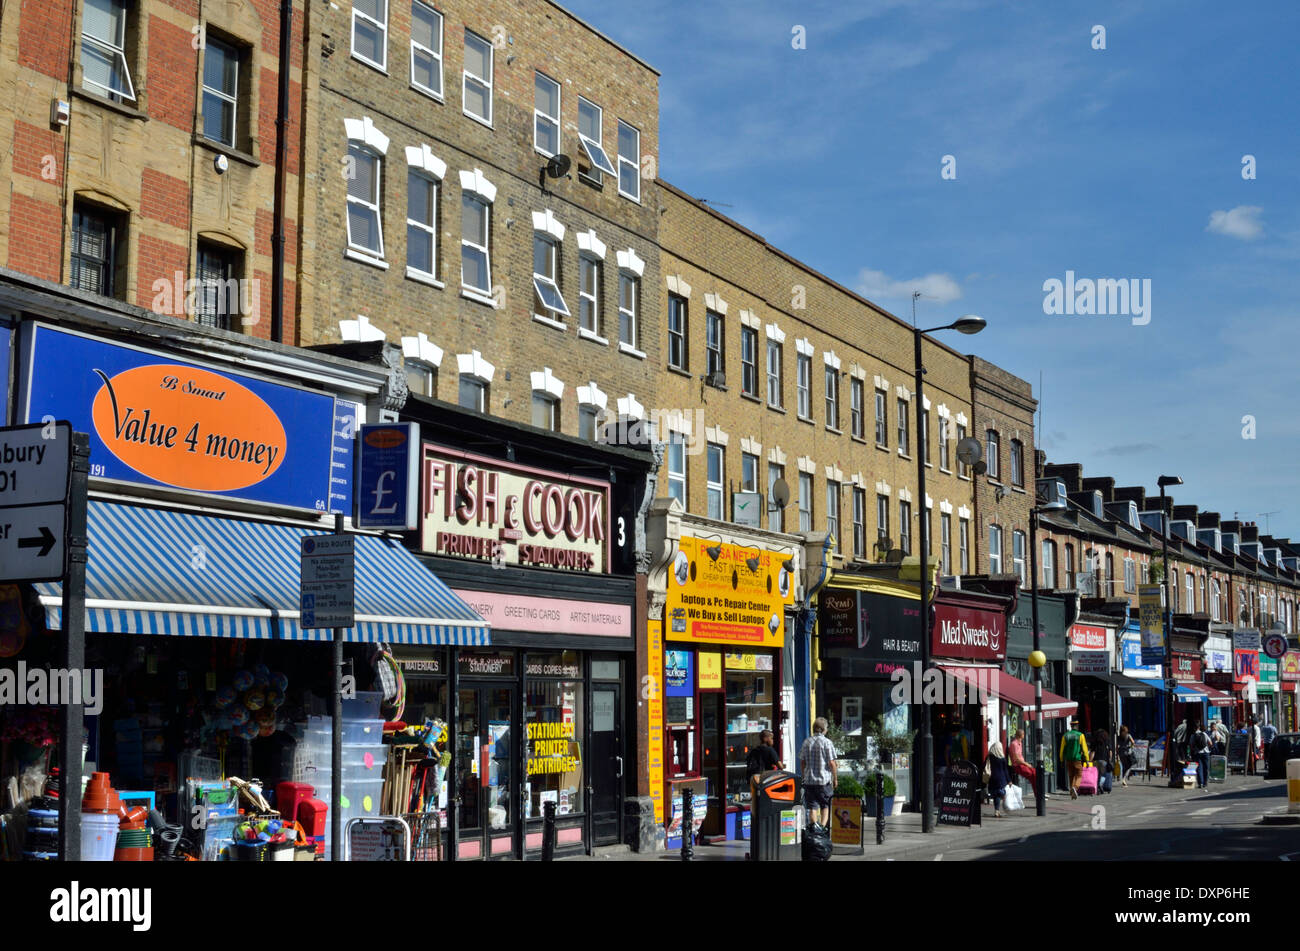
x,y
155,571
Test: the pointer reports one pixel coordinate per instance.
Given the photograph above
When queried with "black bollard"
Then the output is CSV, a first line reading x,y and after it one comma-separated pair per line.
x,y
548,831
688,825
880,806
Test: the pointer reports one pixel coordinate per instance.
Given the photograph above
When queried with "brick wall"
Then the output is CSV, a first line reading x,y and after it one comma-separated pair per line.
x,y
1004,403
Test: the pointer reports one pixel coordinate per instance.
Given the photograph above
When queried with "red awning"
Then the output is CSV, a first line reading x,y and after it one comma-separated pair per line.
x,y
1012,690
1217,698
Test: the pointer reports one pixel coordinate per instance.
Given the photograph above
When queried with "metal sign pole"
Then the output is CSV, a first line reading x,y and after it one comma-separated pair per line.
x,y
336,735
74,650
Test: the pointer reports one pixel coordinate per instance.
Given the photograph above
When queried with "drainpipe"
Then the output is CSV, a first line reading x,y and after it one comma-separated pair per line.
x,y
281,156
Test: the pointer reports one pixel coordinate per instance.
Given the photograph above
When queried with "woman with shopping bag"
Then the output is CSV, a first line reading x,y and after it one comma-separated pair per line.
x,y
998,777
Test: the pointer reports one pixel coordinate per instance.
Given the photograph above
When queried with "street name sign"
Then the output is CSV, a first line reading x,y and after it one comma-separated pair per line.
x,y
327,582
34,467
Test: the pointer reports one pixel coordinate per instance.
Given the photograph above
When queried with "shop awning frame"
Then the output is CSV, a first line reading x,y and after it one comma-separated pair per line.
x,y
1011,689
160,571
1136,689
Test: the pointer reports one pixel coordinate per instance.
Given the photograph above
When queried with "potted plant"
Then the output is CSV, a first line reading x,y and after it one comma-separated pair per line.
x,y
849,788
888,788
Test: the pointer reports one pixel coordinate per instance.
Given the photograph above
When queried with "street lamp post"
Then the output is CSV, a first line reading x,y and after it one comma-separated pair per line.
x,y
1036,660
969,324
1169,629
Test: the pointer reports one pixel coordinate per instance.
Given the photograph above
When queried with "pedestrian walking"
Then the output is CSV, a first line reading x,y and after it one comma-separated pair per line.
x,y
1178,752
1267,733
1020,766
1254,739
1074,752
1126,748
1104,758
817,762
1198,745
998,776
1219,737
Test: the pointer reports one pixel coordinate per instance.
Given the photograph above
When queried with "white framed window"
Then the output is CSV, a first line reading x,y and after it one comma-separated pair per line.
x,y
677,317
1018,556
1048,568
773,373
805,502
103,50
882,419
991,453
677,467
629,304
1200,594
944,459
713,341
472,393
546,411
591,135
714,481
803,386
365,230
546,114
421,378
1130,575
548,302
775,513
963,533
1214,598
426,49
422,224
1190,584
832,397
833,511
749,361
629,161
945,543
588,422
905,526
857,424
963,470
475,253
370,32
589,274
882,517
220,91
923,437
859,522
1017,463
476,80
904,443
748,472
995,550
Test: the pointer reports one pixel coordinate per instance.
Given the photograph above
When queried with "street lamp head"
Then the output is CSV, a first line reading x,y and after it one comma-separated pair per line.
x,y
1168,480
969,324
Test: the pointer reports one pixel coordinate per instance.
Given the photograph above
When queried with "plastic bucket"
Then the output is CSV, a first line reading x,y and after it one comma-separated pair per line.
x,y
98,836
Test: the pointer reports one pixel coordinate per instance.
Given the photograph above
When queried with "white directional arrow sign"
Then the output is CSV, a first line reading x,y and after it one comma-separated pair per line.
x,y
34,463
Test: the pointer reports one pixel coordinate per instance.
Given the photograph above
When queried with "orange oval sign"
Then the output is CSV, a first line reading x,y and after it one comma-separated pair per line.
x,y
188,428
385,438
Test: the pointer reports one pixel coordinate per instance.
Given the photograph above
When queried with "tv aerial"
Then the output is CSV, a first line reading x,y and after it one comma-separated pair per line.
x,y
557,166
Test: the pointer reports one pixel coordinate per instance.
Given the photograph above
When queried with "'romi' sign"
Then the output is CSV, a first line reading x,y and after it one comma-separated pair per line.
x,y
484,509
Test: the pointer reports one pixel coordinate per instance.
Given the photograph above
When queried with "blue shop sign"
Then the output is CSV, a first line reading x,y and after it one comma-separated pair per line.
x,y
388,481
1132,657
159,421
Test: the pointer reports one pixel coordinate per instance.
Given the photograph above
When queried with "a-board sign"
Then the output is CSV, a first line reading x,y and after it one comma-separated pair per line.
x,y
846,820
1156,754
1237,743
960,794
1141,748
1218,769
381,839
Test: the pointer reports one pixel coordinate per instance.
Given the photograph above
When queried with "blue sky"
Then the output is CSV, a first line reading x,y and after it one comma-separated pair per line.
x,y
1122,163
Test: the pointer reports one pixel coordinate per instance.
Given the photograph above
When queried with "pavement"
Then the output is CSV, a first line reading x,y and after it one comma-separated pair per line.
x,y
1150,821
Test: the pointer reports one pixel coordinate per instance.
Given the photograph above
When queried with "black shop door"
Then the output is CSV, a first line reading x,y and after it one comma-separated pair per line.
x,y
606,764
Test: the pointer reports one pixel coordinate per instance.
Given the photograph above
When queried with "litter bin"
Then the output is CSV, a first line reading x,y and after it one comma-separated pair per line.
x,y
776,827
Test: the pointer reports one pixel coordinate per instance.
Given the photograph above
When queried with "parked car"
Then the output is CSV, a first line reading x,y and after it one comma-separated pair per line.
x,y
1285,746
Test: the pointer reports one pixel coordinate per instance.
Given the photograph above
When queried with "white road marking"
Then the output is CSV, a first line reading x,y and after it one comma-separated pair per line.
x,y
1207,811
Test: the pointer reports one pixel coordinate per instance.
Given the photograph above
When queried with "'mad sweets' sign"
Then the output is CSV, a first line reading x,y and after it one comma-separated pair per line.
x,y
154,420
969,632
485,509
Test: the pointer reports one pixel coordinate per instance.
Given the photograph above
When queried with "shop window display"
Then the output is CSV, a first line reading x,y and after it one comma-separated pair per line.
x,y
749,710
553,720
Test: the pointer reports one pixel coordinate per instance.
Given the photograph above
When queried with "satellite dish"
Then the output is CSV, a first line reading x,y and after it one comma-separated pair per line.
x,y
780,493
969,451
980,467
895,556
558,165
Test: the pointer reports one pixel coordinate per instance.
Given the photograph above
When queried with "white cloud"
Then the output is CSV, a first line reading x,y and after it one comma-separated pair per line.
x,y
1241,222
877,286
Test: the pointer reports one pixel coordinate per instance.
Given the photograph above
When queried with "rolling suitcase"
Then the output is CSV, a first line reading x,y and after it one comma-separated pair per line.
x,y
1088,781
